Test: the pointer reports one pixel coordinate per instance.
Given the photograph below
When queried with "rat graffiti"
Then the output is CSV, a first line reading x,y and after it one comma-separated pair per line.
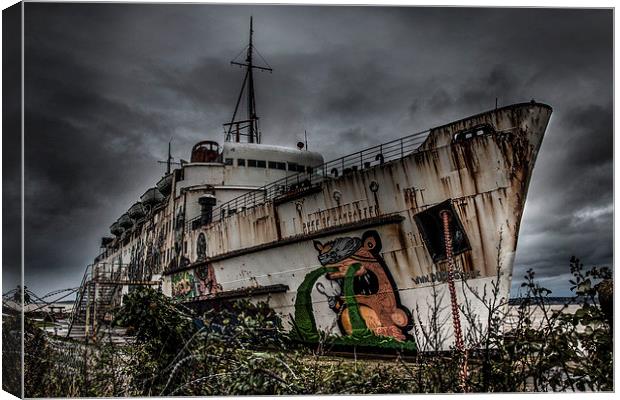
x,y
366,302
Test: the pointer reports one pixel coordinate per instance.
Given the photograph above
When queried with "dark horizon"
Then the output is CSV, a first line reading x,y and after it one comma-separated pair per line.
x,y
108,85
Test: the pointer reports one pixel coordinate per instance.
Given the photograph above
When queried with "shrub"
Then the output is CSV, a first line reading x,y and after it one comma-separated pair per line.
x,y
239,348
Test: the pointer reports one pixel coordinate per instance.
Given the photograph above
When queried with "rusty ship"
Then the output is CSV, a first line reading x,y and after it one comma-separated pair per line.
x,y
360,248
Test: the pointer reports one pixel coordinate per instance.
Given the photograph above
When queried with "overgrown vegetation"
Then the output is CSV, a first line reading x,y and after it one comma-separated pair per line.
x,y
559,350
242,349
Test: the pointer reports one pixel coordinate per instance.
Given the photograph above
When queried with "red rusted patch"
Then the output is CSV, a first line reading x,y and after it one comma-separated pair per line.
x,y
468,262
205,151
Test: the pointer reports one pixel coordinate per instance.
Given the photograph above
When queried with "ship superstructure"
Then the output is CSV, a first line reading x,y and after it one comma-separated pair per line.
x,y
354,247
153,237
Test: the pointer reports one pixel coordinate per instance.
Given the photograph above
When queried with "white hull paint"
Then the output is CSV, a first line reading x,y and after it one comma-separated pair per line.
x,y
486,177
266,249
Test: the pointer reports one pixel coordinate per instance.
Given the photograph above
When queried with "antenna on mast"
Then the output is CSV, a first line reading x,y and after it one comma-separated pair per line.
x,y
169,157
169,161
250,125
306,139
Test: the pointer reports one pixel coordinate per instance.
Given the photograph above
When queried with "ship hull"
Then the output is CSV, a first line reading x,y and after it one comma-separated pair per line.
x,y
364,250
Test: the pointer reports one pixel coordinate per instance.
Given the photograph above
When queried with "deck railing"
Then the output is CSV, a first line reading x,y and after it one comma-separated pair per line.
x,y
78,298
302,181
114,274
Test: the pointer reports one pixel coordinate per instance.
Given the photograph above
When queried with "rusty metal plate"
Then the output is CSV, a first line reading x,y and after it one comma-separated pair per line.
x,y
430,226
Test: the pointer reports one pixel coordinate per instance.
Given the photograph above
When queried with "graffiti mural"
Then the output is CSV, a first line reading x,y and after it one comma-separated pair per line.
x,y
193,283
366,303
206,283
136,267
183,285
201,247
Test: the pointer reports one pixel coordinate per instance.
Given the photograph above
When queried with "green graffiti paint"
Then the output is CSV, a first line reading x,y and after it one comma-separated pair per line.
x,y
183,285
305,323
304,314
358,325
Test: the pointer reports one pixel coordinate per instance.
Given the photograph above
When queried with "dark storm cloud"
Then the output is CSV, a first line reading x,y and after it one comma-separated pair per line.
x,y
108,85
11,142
570,206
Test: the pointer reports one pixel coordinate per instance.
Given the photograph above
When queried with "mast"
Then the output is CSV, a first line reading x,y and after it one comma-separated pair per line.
x,y
251,98
169,161
169,158
236,127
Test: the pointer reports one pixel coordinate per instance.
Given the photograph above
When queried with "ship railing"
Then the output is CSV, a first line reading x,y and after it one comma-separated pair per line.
x,y
114,273
117,274
101,256
110,273
79,298
303,181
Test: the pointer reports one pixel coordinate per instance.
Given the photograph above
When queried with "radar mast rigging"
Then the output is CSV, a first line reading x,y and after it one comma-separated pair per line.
x,y
248,127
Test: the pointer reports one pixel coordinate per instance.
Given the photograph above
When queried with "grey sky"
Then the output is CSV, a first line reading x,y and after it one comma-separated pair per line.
x,y
107,85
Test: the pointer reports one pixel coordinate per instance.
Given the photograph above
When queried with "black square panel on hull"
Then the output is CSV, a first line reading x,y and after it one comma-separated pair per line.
x,y
430,224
